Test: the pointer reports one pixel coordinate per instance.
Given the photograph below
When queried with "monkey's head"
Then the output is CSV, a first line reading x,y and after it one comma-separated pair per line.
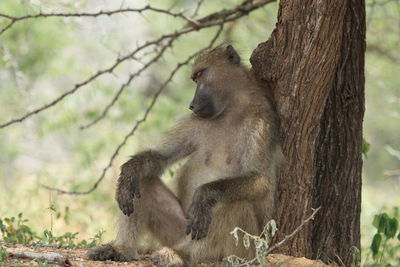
x,y
215,73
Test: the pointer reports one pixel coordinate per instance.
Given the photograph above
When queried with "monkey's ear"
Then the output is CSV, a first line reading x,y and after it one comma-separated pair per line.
x,y
232,55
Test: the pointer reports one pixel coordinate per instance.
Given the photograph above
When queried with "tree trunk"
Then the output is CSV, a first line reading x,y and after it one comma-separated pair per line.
x,y
314,64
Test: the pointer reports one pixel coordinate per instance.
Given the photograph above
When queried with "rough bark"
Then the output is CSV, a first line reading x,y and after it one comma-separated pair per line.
x,y
339,158
313,62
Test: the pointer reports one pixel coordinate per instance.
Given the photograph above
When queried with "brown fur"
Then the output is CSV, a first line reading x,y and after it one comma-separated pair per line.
x,y
228,179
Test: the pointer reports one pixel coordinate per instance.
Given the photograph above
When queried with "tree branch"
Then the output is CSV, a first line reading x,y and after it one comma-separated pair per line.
x,y
379,50
280,243
197,9
217,18
137,124
14,19
124,85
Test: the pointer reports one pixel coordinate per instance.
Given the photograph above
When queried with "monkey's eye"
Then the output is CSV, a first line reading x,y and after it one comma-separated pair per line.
x,y
197,75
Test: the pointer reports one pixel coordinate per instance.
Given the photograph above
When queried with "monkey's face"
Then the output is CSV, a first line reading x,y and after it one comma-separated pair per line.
x,y
206,103
214,74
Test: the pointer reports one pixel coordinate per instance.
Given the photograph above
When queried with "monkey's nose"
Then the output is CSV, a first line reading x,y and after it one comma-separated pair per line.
x,y
191,107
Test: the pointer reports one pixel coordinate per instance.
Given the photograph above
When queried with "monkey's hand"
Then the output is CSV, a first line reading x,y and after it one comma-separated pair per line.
x,y
127,189
199,215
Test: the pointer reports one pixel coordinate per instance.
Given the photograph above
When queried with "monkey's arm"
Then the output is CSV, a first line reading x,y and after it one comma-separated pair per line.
x,y
247,187
152,163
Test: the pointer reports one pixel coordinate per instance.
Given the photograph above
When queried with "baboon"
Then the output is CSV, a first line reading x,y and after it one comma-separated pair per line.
x,y
233,154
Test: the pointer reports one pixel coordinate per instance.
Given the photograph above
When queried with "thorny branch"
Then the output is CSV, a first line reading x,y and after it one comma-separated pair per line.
x,y
379,50
14,19
214,19
123,86
280,243
197,9
287,237
137,124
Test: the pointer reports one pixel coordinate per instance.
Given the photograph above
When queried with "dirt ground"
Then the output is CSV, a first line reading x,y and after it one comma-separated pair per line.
x,y
77,258
73,257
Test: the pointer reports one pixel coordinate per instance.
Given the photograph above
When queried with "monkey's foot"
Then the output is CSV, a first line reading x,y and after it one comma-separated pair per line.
x,y
166,257
109,252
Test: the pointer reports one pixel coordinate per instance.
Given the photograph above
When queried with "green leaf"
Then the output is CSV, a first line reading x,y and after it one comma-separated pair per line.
x,y
391,227
233,261
398,236
376,243
365,148
261,257
383,222
246,241
3,254
273,227
53,207
376,220
269,229
235,235
356,262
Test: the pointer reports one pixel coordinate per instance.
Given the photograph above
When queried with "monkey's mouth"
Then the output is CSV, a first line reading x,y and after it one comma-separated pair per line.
x,y
205,111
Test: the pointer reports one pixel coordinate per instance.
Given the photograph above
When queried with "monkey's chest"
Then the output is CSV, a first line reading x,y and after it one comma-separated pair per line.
x,y
222,159
222,150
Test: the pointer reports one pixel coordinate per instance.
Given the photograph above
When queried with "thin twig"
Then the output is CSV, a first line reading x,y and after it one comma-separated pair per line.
x,y
14,19
214,19
280,243
381,51
124,85
137,124
287,237
197,9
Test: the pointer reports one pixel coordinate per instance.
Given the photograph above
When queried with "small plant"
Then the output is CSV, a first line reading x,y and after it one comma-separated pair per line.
x,y
385,246
356,262
94,241
40,263
15,263
14,230
3,254
69,240
65,240
261,245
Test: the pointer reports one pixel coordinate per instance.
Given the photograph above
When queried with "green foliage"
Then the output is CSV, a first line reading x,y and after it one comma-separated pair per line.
x,y
365,148
69,240
15,263
376,243
385,245
40,263
356,262
3,254
16,231
260,243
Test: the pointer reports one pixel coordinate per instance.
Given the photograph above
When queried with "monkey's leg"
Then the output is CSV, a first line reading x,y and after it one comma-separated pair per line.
x,y
166,218
157,211
219,243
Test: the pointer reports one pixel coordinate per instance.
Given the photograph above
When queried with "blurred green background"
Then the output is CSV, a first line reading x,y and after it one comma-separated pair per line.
x,y
42,58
